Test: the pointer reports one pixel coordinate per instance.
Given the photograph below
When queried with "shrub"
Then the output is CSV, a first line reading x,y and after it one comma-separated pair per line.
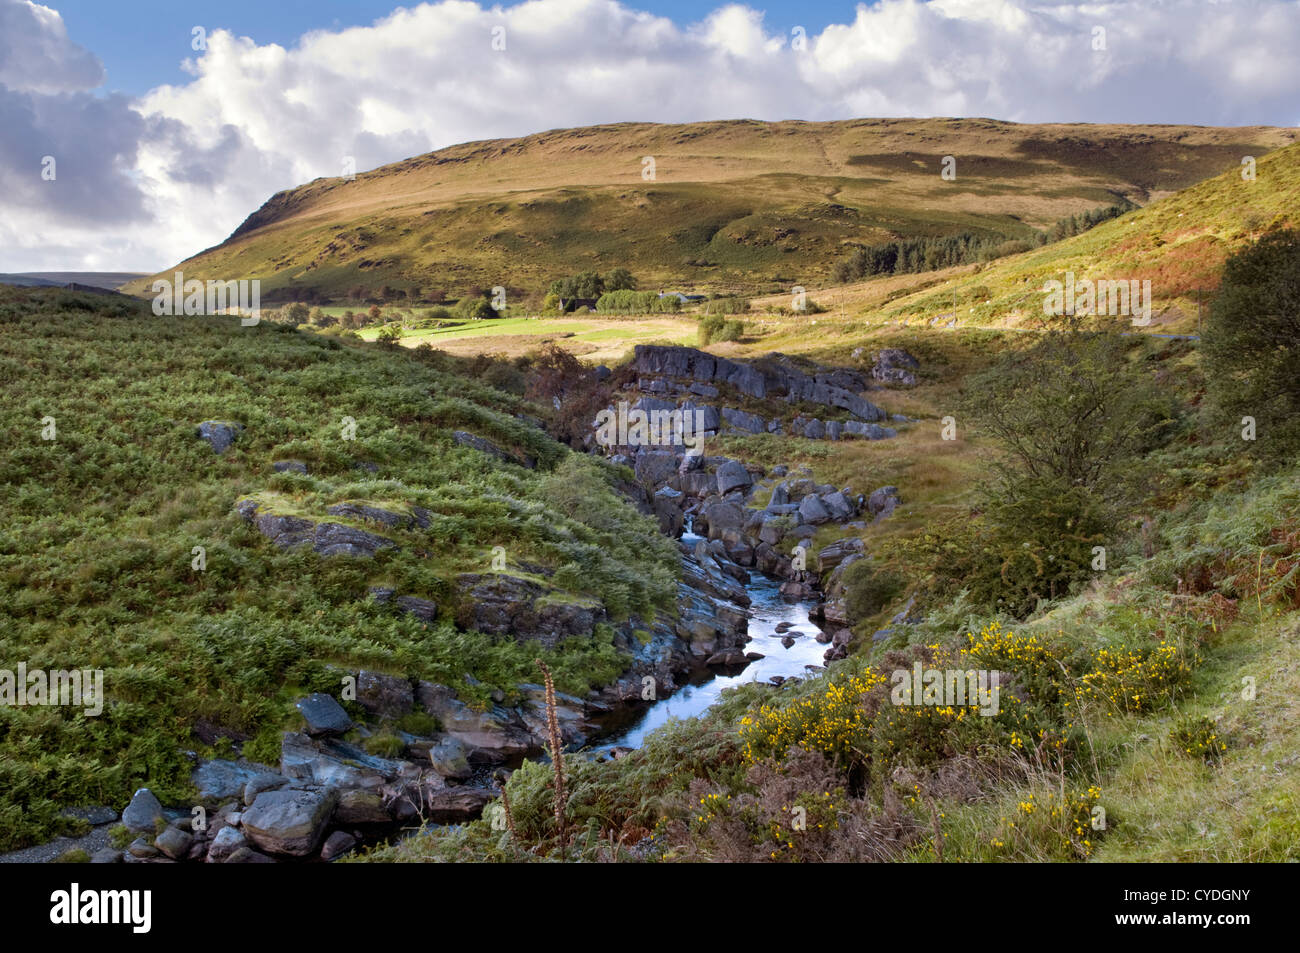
x,y
1250,353
867,590
716,328
1198,737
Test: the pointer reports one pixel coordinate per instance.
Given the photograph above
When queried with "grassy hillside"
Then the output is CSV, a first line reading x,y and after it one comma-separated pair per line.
x,y
740,204
1179,244
97,545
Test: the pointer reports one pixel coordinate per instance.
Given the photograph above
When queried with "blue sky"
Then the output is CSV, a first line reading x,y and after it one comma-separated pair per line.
x,y
142,42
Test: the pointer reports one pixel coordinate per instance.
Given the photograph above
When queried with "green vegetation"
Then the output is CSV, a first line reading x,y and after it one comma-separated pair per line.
x,y
1252,346
637,302
717,329
98,565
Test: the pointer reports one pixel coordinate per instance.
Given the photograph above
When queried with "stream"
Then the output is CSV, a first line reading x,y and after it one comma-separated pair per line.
x,y
768,610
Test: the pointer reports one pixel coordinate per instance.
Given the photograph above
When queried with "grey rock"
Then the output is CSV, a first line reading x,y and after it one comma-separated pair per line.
x,y
732,475
219,434
140,847
384,695
174,842
423,609
266,781
289,466
358,806
246,855
450,758
224,843
742,421
143,813
220,780
881,502
106,855
337,844
894,366
289,822
813,511
324,715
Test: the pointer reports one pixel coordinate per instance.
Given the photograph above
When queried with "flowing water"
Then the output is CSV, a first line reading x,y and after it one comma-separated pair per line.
x,y
768,610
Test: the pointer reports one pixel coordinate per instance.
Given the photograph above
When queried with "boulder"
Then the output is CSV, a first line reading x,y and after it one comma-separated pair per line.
x,y
328,761
832,555
337,844
218,781
219,434
357,806
289,822
174,842
655,467
893,365
422,609
387,696
373,514
143,813
324,715
841,507
881,502
742,421
289,466
268,781
813,511
732,475
246,855
450,758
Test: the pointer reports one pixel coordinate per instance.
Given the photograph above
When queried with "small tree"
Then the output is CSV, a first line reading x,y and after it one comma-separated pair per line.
x,y
620,279
297,313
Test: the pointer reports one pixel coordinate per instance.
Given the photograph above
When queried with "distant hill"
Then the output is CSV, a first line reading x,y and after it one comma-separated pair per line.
x,y
742,205
108,280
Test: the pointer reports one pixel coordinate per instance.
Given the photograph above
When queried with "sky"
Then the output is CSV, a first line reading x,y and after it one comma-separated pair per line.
x,y
137,133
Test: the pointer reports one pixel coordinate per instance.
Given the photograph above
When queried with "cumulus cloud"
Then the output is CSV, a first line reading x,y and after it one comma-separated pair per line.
x,y
146,183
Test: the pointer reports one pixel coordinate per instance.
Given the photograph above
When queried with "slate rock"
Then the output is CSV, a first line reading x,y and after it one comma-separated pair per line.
x,y
324,715
289,822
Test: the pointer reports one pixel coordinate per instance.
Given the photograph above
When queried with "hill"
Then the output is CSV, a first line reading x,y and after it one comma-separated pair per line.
x,y
739,205
132,547
1179,244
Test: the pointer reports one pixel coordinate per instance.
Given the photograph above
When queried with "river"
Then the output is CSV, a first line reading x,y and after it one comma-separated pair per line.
x,y
768,610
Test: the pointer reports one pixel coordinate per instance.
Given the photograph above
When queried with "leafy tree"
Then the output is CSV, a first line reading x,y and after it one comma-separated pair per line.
x,y
586,284
620,279
1073,419
1251,346
297,313
1070,409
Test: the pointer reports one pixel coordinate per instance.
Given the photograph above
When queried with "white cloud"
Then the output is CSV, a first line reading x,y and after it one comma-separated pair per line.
x,y
148,183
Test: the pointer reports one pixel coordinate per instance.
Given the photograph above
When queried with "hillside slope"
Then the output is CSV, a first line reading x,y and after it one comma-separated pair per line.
x,y
737,204
129,546
1179,244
